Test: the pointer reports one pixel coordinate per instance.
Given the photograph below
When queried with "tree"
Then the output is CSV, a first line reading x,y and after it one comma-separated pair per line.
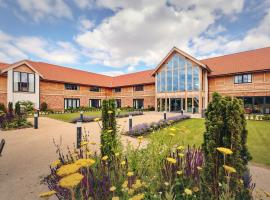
x,y
225,127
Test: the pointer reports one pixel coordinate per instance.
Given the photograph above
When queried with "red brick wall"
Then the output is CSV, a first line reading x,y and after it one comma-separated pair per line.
x,y
3,90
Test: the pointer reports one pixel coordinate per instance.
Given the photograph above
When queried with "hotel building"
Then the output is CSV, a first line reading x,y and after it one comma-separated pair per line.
x,y
179,82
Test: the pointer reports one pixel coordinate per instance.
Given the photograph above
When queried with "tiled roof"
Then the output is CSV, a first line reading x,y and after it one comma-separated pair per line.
x,y
3,66
253,60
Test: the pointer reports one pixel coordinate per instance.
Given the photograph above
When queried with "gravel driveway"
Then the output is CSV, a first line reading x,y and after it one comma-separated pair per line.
x,y
28,153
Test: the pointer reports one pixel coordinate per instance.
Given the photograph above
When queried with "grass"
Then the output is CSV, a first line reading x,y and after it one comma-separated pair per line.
x,y
191,132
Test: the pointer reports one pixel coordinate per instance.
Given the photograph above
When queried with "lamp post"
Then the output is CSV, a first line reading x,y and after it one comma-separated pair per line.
x,y
130,122
36,121
81,116
79,134
165,115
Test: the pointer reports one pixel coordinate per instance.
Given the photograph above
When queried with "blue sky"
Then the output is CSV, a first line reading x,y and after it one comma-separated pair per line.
x,y
121,36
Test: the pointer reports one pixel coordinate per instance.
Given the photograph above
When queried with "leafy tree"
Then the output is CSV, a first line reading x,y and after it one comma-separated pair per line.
x,y
109,140
225,127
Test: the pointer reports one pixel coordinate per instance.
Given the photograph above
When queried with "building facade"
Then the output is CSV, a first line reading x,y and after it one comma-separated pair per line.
x,y
179,82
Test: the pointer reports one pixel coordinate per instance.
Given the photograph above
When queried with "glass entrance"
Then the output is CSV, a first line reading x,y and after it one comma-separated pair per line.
x,y
175,105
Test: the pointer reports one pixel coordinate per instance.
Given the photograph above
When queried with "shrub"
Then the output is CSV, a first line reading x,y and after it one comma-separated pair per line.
x,y
3,108
27,106
43,106
225,127
266,117
10,108
18,108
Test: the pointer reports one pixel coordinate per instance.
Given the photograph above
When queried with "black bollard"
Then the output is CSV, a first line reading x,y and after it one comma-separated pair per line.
x,y
165,115
130,122
81,116
79,134
36,121
182,112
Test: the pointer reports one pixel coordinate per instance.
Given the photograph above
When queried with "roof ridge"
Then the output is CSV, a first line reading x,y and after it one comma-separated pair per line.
x,y
133,73
235,53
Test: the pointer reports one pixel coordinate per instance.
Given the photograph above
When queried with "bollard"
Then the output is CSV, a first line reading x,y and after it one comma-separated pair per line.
x,y
38,112
130,122
182,112
2,144
36,121
81,116
165,115
79,134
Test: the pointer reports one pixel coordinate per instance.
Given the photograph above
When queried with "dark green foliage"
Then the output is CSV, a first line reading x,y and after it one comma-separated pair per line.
x,y
10,108
225,127
18,108
27,106
3,108
43,106
109,139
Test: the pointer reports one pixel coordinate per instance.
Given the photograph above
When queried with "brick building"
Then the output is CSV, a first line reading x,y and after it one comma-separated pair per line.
x,y
179,82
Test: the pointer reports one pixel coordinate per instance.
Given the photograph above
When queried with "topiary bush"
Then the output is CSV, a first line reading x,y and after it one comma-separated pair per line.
x,y
225,127
3,108
43,106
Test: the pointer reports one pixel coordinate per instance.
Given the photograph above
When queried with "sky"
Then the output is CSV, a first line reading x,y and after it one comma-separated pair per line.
x,y
114,37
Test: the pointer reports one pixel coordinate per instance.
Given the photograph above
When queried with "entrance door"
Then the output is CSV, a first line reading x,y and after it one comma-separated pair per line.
x,y
175,105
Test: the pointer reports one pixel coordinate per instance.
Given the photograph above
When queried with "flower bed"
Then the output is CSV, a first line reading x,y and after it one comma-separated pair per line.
x,y
142,129
11,121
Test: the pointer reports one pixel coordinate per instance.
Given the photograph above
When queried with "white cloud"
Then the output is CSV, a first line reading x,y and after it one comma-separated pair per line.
x,y
13,49
45,9
131,69
215,30
83,4
145,30
112,73
85,24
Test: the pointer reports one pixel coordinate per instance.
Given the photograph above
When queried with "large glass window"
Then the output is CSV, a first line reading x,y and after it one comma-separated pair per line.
x,y
175,74
23,82
138,103
196,71
158,82
169,80
118,103
182,71
189,76
196,104
163,81
189,104
71,103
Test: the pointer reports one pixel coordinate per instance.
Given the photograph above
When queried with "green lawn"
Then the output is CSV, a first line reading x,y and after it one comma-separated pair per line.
x,y
191,132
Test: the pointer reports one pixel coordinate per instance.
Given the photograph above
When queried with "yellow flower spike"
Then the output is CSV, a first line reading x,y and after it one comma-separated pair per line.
x,y
117,154
171,160
188,191
71,181
229,169
172,129
85,162
180,148
129,174
65,170
139,196
56,163
125,184
195,189
109,131
47,194
181,155
104,158
224,150
115,198
88,153
110,112
123,162
179,172
112,189
171,134
84,143
97,119
131,191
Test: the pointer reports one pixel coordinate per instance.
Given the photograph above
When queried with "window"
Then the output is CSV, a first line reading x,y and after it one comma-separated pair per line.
x,y
196,71
158,82
118,103
95,89
162,81
138,88
182,71
242,78
138,103
189,76
71,103
23,82
118,89
95,103
71,86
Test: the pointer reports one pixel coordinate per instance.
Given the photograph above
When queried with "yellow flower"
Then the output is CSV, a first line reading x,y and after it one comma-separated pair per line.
x,y
85,162
188,191
110,112
97,119
171,134
171,160
224,150
195,189
130,191
199,168
180,148
113,188
109,131
172,129
104,158
166,183
125,184
129,174
56,163
65,170
71,181
88,153
179,172
137,184
181,155
117,154
47,194
123,162
137,197
93,143
229,169
115,198
140,137
84,143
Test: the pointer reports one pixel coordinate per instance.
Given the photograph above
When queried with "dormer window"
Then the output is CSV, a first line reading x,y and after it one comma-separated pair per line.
x,y
23,82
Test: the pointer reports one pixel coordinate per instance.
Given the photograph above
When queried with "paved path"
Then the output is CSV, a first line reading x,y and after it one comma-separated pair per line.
x,y
28,153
